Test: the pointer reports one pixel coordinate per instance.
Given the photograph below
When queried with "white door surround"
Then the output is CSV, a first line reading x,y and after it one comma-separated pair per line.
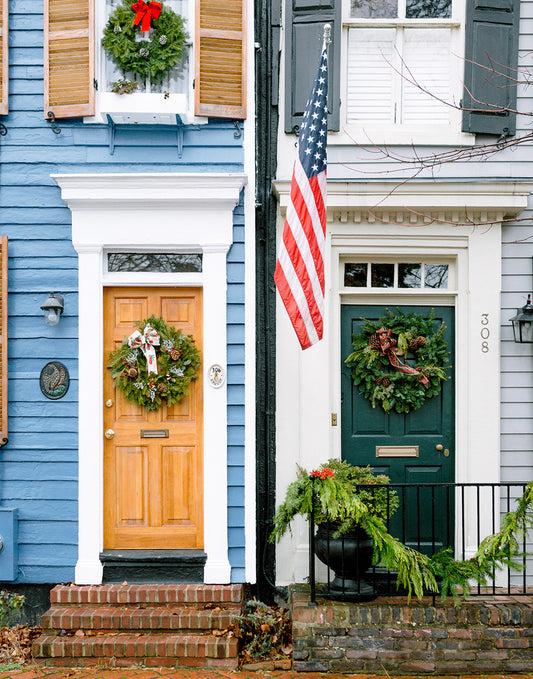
x,y
455,221
150,212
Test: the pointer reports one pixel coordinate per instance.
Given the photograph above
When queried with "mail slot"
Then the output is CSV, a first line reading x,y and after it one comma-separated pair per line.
x,y
154,433
397,451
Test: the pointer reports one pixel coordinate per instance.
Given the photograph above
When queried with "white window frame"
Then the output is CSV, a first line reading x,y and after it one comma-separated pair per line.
x,y
391,133
143,107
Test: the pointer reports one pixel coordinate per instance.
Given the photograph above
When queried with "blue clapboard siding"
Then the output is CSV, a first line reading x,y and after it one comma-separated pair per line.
x,y
39,471
235,330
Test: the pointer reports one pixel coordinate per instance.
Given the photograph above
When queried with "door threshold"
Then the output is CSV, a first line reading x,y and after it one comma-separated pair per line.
x,y
153,566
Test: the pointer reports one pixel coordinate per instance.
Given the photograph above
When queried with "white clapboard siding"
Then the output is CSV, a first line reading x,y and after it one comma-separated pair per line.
x,y
371,75
432,75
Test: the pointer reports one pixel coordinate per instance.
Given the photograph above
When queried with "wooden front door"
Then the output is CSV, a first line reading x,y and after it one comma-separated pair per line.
x,y
153,487
414,448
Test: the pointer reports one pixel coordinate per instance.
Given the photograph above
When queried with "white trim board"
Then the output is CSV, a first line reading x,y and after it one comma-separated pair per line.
x,y
309,382
166,212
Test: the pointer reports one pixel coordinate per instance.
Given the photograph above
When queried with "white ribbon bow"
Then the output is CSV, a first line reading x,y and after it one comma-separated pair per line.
x,y
146,342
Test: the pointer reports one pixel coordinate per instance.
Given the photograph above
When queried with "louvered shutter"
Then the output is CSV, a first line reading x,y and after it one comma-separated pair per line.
x,y
305,21
220,49
3,340
4,75
491,58
69,58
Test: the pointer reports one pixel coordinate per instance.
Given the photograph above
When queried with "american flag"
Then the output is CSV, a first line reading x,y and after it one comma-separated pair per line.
x,y
299,274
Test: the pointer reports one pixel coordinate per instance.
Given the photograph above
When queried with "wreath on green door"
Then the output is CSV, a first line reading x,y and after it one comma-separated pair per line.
x,y
383,356
163,38
155,364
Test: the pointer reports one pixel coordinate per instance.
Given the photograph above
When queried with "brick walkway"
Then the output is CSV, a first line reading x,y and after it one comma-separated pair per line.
x,y
54,673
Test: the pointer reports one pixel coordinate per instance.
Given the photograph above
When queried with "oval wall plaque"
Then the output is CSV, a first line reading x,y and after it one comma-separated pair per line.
x,y
54,380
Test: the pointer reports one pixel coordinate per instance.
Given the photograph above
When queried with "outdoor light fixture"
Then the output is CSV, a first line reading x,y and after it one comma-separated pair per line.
x,y
523,322
53,308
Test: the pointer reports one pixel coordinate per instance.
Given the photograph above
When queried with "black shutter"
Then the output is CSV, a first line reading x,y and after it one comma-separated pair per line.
x,y
305,21
491,58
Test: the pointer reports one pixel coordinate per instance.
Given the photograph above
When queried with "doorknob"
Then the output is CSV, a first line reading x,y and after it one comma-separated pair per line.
x,y
109,434
440,447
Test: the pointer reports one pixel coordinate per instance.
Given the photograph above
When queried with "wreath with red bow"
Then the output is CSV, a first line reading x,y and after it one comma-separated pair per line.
x,y
145,38
400,361
155,364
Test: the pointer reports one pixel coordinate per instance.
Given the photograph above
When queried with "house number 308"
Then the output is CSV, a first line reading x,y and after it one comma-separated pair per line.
x,y
485,333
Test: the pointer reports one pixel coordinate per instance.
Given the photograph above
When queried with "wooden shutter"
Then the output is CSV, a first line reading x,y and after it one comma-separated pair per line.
x,y
69,58
4,75
220,49
304,36
3,340
491,54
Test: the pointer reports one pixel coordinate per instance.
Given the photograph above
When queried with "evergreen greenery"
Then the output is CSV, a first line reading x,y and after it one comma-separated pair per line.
x,y
153,56
400,391
178,362
339,499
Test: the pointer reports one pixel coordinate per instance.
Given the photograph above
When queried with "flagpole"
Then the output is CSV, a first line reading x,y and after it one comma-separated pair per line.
x,y
327,37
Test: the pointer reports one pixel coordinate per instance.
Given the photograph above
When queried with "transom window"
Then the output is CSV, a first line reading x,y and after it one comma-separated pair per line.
x,y
401,275
396,50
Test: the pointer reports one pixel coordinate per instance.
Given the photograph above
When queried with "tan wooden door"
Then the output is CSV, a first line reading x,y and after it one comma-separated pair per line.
x,y
153,487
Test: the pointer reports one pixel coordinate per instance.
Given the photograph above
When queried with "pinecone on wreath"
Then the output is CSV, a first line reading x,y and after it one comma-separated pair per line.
x,y
385,382
374,342
133,372
379,380
162,388
175,354
420,340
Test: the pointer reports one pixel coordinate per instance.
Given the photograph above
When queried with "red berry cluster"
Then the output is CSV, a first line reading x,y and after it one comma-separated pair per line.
x,y
323,473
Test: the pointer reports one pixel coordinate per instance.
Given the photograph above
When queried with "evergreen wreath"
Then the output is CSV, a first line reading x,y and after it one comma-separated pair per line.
x,y
155,56
178,362
379,364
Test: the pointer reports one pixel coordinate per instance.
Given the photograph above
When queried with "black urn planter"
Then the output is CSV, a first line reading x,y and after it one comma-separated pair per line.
x,y
349,556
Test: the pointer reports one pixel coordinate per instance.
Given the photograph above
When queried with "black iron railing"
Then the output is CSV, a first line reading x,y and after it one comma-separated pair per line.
x,y
429,518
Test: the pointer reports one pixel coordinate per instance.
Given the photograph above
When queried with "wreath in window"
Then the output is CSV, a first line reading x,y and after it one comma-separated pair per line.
x,y
400,361
145,38
150,377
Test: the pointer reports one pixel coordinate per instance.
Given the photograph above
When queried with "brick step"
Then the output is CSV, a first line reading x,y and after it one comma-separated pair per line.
x,y
137,618
175,650
148,594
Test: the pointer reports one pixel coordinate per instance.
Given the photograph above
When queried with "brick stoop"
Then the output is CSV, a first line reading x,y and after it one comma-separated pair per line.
x,y
152,625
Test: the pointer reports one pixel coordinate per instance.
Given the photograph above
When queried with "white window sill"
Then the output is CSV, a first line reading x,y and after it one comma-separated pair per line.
x,y
143,109
400,135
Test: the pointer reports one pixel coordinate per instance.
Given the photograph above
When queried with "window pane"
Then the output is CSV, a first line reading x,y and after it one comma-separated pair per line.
x,y
428,9
432,75
355,275
372,59
382,275
436,276
363,9
161,262
409,275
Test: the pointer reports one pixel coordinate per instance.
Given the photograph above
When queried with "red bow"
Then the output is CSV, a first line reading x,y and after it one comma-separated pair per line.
x,y
388,343
146,11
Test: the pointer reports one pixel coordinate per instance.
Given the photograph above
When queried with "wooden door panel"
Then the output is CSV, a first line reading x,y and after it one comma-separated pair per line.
x,y
153,487
177,497
131,467
128,312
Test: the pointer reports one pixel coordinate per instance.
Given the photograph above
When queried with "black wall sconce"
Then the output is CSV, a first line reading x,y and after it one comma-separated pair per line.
x,y
523,323
53,308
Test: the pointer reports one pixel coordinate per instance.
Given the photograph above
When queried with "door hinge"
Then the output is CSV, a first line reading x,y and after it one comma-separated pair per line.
x,y
333,419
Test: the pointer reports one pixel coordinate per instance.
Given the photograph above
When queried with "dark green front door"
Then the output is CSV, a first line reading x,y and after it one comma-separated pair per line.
x,y
416,448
